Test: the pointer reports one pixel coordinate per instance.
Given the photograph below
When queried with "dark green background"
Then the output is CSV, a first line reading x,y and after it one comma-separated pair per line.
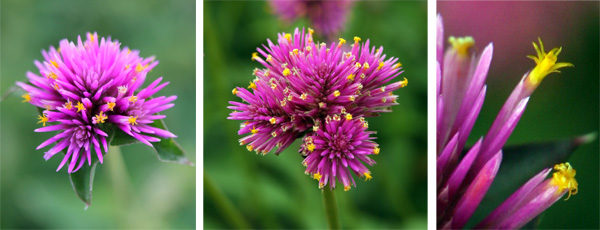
x,y
272,191
149,193
564,105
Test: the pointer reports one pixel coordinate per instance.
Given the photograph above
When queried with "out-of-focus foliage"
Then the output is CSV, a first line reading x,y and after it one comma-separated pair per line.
x,y
564,105
272,191
133,189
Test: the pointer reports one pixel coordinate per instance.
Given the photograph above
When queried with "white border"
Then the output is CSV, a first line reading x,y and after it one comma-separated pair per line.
x,y
431,121
199,115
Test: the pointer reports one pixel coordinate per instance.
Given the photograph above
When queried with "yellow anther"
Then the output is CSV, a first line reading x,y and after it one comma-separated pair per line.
x,y
367,176
273,85
286,72
357,65
79,106
348,55
54,64
383,99
381,64
267,73
127,66
351,98
346,188
250,147
68,105
283,103
382,89
303,96
295,51
91,36
397,65
26,97
288,37
273,120
252,85
311,147
342,41
404,83
336,93
564,178
56,87
47,107
128,51
52,75
254,56
274,134
545,63
43,119
376,149
254,130
317,176
315,128
350,77
311,31
322,104
234,91
269,58
101,117
133,98
139,67
356,39
132,120
111,105
462,45
348,116
366,66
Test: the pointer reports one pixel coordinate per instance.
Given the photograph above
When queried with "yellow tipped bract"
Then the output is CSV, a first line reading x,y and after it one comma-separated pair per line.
x,y
545,63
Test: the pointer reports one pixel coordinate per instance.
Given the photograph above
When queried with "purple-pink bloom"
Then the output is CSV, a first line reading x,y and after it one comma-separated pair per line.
x,y
327,17
463,182
304,82
86,86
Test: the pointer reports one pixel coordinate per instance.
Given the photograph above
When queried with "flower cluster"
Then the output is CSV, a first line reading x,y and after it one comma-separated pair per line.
x,y
86,87
463,182
328,17
306,88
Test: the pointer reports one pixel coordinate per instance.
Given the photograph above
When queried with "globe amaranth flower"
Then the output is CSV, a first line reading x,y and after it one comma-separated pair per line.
x,y
463,182
87,85
303,86
328,17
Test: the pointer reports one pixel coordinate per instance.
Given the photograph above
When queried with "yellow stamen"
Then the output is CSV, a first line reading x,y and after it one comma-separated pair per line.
x,y
254,56
254,130
140,68
352,98
346,188
47,107
311,147
348,116
303,96
376,150
91,36
68,105
288,37
564,178
397,65
381,64
336,93
132,120
56,87
269,58
234,91
101,117
462,45
127,66
368,176
545,63
54,64
310,31
133,98
356,39
252,85
404,83
111,105
52,75
43,119
366,65
286,72
357,65
295,51
317,176
342,41
273,120
250,148
80,106
350,77
128,51
27,97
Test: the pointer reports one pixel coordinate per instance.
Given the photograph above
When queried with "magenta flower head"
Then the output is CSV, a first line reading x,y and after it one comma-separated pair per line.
x,y
463,182
305,88
328,17
84,88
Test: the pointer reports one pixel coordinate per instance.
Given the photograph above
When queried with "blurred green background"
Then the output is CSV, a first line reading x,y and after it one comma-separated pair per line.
x,y
564,105
272,191
149,193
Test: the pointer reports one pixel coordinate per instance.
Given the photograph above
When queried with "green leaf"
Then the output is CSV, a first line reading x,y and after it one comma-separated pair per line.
x,y
82,182
519,164
167,149
121,138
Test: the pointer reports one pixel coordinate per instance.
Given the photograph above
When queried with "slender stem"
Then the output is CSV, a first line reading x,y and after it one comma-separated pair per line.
x,y
226,208
331,209
120,183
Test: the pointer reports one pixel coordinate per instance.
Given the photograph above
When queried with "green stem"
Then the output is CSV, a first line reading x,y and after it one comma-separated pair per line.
x,y
331,210
224,205
120,183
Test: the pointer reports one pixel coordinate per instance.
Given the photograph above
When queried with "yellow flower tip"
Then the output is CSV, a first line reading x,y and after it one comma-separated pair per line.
x,y
286,72
356,39
350,77
68,105
317,176
288,37
91,36
397,65
346,188
545,63
315,128
254,130
128,51
234,91
111,105
252,85
348,117
54,64
254,56
295,51
311,147
368,176
273,120
376,150
101,117
336,93
381,64
127,66
366,66
462,45
404,83
43,119
352,98
564,178
132,120
269,58
26,97
357,65
80,107
139,67
342,41
52,75
321,185
133,98
56,87
311,31
250,148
